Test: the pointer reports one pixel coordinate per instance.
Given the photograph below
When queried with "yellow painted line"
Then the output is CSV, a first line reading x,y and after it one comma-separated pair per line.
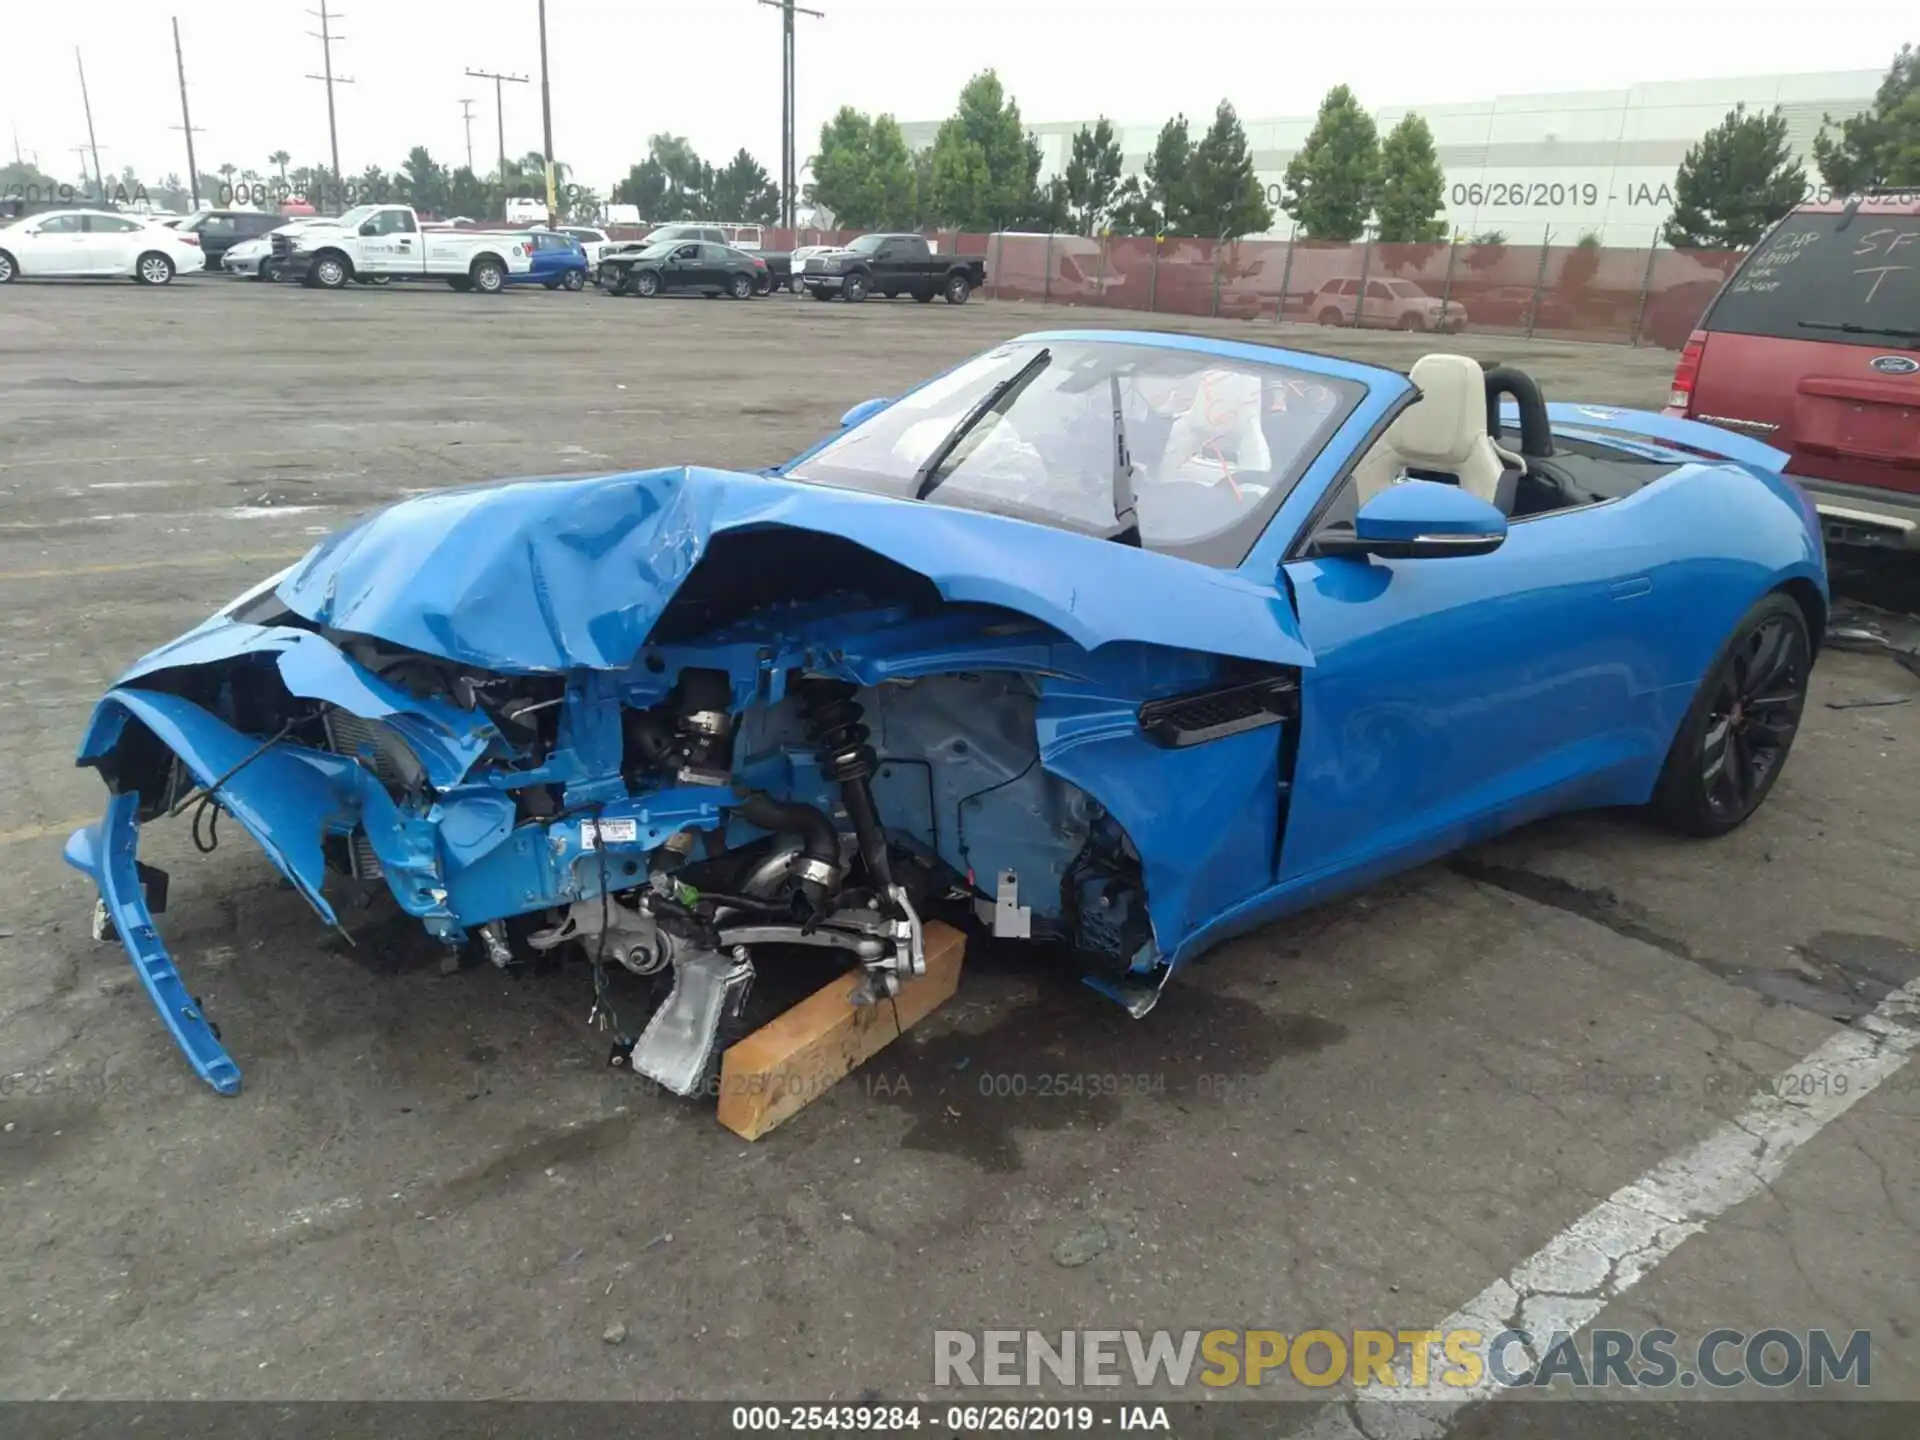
x,y
203,562
60,828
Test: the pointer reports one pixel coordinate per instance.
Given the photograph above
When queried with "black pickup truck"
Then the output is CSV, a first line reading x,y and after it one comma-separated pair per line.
x,y
893,265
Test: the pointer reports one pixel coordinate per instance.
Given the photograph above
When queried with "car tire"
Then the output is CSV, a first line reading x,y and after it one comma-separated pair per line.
x,y
9,268
153,268
855,289
646,285
266,272
740,287
1330,316
821,294
1722,763
797,286
576,280
1411,321
329,272
957,289
764,286
489,277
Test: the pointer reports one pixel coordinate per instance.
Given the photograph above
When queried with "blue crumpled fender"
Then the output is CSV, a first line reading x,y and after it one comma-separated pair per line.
x,y
285,795
554,575
446,739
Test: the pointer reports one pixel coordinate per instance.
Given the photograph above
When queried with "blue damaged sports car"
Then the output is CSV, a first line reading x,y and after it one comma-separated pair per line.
x,y
1125,642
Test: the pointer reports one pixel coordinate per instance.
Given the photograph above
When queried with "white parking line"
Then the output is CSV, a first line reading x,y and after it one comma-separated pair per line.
x,y
1563,1287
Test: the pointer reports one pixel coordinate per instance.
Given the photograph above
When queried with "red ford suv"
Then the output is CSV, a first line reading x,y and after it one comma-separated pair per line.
x,y
1813,346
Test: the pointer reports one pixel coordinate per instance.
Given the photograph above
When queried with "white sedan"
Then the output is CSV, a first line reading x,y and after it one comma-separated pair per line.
x,y
68,244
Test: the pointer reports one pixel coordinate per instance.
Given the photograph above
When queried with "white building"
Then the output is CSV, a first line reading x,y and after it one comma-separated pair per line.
x,y
1598,160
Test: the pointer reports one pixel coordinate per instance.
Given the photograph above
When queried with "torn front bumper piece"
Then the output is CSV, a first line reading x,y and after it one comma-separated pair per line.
x,y
287,797
455,863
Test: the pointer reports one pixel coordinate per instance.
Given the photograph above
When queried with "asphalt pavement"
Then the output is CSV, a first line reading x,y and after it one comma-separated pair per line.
x,y
434,1187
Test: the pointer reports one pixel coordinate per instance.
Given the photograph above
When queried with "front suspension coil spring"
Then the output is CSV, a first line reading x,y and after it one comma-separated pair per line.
x,y
835,723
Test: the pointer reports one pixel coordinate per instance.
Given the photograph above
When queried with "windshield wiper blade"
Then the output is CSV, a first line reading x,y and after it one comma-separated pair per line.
x,y
1124,514
1849,328
928,476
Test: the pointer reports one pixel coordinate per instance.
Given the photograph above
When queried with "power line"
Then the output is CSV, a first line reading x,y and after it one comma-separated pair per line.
x,y
789,158
466,114
186,121
500,117
326,37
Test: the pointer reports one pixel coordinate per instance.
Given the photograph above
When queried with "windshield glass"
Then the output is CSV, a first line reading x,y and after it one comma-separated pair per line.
x,y
1816,278
867,244
359,215
653,252
1215,443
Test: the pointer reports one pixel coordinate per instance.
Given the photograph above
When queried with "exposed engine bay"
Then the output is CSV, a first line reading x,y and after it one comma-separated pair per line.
x,y
751,788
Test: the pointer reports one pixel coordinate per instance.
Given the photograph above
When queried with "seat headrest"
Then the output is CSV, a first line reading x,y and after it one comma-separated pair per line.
x,y
1449,421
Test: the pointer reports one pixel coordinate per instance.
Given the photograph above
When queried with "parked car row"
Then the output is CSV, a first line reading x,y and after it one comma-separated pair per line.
x,y
379,244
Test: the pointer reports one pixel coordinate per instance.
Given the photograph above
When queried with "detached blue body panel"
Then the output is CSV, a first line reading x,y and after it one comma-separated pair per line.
x,y
1423,704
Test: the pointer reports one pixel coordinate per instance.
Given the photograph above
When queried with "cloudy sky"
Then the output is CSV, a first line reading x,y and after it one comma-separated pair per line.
x,y
710,69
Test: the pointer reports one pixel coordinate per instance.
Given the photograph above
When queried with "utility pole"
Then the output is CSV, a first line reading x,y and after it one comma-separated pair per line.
x,y
500,120
92,146
789,157
326,37
466,114
186,120
546,120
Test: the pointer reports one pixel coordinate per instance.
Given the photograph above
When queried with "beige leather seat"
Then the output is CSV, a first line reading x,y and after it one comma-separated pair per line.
x,y
1444,431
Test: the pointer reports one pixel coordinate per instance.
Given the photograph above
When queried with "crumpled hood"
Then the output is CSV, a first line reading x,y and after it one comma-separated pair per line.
x,y
555,575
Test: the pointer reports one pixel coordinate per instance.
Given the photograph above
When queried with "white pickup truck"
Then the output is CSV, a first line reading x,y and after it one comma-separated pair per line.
x,y
386,242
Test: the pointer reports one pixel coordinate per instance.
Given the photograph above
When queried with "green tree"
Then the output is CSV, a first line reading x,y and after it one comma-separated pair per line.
x,y
985,171
467,194
1156,202
1330,182
1093,175
1579,269
925,216
743,191
1486,250
1410,191
423,181
1133,213
671,184
842,167
1223,195
278,159
863,173
890,177
1735,181
1881,146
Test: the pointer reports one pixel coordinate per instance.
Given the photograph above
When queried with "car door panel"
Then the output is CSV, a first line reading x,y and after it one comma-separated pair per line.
x,y
1453,698
110,244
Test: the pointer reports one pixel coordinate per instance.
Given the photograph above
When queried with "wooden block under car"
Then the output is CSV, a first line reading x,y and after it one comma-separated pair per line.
x,y
772,1074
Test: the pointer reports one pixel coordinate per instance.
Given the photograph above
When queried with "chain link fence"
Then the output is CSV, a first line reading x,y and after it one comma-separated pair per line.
x,y
1603,294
